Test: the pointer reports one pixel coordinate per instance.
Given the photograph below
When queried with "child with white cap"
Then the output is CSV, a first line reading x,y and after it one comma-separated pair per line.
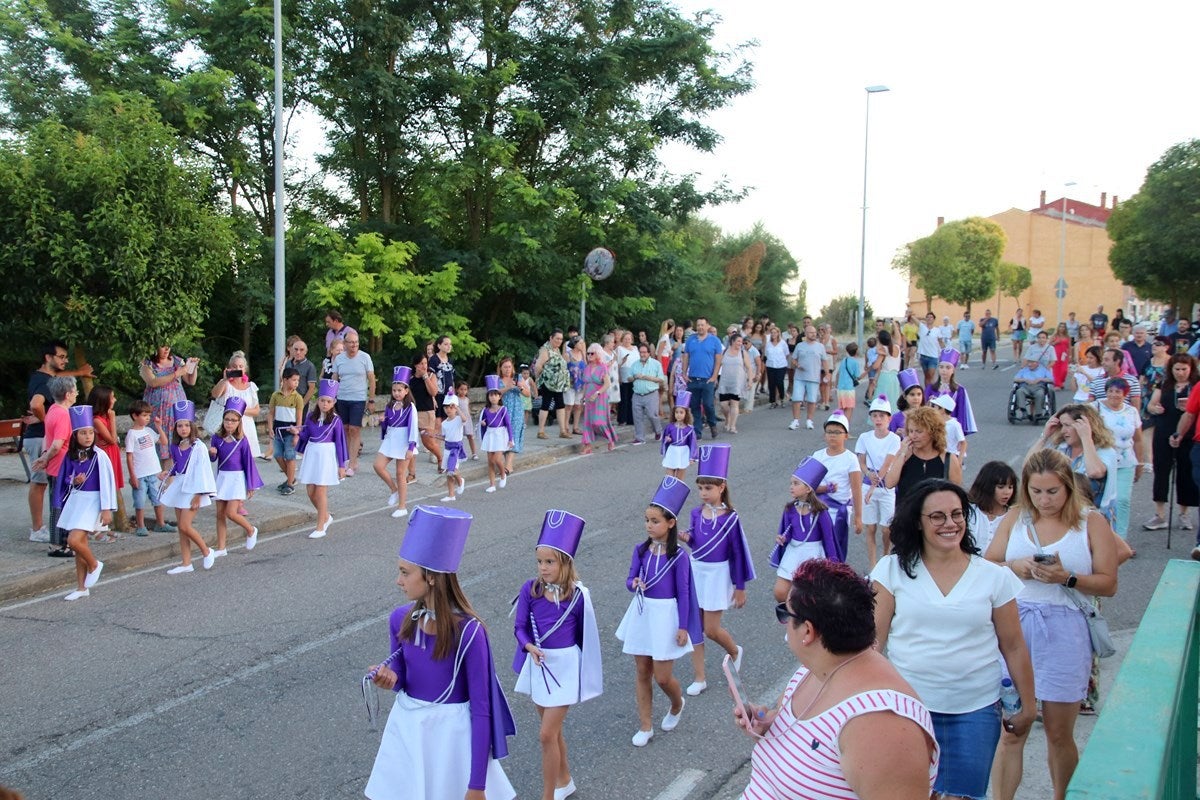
x,y
956,441
842,490
86,491
453,452
876,449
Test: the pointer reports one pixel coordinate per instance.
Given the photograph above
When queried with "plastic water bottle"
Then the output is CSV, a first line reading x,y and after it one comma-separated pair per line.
x,y
1010,699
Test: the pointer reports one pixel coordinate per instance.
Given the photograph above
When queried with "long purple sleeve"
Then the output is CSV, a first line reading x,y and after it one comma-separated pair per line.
x,y
731,547
791,528
235,456
314,431
683,436
495,419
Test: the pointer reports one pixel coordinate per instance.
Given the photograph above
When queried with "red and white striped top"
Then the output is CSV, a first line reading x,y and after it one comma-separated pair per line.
x,y
800,759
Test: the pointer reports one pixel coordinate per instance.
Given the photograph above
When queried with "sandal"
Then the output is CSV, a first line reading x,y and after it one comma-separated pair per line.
x,y
542,435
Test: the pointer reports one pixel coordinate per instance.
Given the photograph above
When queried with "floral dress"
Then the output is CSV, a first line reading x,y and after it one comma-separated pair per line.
x,y
164,398
514,401
595,405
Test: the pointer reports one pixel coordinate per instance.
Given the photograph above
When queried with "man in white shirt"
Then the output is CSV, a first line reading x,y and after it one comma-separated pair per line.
x,y
928,346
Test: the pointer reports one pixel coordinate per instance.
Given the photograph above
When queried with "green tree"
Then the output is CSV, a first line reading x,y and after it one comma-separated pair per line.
x,y
842,311
1012,279
957,262
108,235
1156,233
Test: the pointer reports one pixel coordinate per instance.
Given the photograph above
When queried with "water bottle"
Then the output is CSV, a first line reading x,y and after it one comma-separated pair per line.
x,y
1010,699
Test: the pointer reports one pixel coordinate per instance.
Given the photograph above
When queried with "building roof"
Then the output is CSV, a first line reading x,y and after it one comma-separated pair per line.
x,y
1077,211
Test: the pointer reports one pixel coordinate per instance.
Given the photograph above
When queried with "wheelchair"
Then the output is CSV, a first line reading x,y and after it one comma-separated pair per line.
x,y
1020,413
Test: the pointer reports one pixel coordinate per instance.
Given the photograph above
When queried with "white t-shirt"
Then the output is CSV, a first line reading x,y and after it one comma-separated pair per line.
x,y
777,354
841,469
141,442
954,435
927,341
945,645
877,450
983,528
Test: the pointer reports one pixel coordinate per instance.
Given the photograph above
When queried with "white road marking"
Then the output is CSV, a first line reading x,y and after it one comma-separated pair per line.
x,y
682,785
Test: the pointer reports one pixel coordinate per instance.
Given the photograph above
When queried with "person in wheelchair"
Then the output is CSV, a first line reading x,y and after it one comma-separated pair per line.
x,y
1031,385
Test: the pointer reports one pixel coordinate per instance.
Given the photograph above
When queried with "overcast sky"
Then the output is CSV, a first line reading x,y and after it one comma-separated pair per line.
x,y
988,104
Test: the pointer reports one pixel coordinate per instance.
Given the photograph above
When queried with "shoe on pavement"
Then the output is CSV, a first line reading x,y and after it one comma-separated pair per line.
x,y
794,425
713,430
394,499
696,687
220,553
462,485
474,456
400,512
642,738
287,489
636,442
78,593
349,472
490,489
563,792
447,499
737,662
164,528
317,534
41,535
181,569
92,577
209,559
503,480
1155,523
995,366
671,721
808,424
61,552
142,531
252,540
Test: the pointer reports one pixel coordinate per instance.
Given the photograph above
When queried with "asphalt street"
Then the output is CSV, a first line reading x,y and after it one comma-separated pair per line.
x,y
243,682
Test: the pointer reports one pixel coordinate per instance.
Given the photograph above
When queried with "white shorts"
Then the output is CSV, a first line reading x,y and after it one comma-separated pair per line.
x,y
795,555
880,509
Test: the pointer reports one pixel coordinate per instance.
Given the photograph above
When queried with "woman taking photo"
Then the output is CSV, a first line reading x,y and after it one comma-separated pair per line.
x,y
235,382
848,725
1060,551
946,615
923,454
164,375
1166,406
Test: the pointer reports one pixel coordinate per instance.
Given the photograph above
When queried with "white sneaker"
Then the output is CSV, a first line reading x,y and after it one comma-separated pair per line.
x,y
462,484
490,489
399,512
209,559
92,577
737,662
181,569
563,792
696,687
252,540
795,425
670,721
317,534
503,480
641,738
220,553
808,424
78,593
41,535
448,499
394,499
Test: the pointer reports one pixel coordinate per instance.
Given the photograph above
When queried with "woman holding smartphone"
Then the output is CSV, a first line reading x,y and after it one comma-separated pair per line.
x,y
235,382
1166,406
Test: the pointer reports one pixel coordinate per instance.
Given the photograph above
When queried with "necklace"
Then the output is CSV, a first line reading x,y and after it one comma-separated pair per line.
x,y
825,683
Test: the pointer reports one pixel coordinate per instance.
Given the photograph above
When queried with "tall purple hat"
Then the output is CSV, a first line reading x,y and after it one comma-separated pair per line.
x,y
493,384
436,537
948,356
81,417
908,379
671,495
811,471
561,530
235,404
328,389
185,410
683,399
401,375
714,461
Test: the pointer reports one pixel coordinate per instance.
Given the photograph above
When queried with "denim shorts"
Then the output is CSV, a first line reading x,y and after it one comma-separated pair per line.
x,y
282,447
805,391
33,451
967,742
929,362
351,411
145,495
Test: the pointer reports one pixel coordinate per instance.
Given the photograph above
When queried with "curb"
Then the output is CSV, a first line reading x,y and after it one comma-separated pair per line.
x,y
50,579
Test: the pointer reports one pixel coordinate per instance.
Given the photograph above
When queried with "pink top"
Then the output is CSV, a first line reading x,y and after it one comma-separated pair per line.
x,y
58,426
801,758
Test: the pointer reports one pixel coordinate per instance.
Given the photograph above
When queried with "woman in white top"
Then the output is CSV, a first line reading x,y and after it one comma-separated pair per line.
x,y
945,616
1126,425
235,382
1059,549
775,353
1078,432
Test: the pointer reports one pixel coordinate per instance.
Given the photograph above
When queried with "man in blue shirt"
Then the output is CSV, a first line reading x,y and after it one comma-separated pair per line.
x,y
702,354
1033,381
989,330
966,333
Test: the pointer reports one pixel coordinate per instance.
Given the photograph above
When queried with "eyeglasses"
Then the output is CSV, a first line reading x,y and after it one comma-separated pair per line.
x,y
938,518
783,614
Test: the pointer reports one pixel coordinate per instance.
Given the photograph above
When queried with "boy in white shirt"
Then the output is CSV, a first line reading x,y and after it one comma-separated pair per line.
x,y
956,441
876,449
144,469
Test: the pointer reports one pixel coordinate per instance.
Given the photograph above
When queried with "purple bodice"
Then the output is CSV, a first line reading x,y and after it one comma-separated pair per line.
x,y
721,539
235,456
683,436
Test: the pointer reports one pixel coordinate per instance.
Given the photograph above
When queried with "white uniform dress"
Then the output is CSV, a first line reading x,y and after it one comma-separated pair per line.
x,y
81,511
196,479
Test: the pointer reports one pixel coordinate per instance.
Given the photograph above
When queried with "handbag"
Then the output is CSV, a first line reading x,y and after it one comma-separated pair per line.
x,y
212,417
1102,643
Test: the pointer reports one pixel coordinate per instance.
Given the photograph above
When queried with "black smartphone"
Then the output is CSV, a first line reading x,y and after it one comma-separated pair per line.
x,y
1045,558
234,373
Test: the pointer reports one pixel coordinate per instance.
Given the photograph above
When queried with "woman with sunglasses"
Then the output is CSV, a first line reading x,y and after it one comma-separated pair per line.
x,y
848,724
946,616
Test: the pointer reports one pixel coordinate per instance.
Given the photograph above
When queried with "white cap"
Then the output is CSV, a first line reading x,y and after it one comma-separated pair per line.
x,y
451,400
945,401
838,417
881,404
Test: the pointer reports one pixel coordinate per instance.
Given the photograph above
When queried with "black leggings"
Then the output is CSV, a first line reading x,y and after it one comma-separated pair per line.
x,y
775,389
1180,458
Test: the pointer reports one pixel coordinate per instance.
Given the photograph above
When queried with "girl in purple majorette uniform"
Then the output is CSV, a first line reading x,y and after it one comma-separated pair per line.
x,y
721,563
323,443
86,491
495,432
946,384
805,530
912,395
679,444
189,486
663,619
558,644
450,720
237,475
398,440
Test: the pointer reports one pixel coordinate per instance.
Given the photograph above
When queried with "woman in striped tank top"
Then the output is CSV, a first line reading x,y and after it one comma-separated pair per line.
x,y
847,726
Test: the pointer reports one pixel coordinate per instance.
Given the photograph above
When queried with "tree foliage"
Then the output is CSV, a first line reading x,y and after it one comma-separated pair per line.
x,y
1156,233
957,262
842,311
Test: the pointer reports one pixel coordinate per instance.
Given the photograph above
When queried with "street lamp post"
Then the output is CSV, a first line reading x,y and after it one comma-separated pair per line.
x,y
280,199
862,267
1060,289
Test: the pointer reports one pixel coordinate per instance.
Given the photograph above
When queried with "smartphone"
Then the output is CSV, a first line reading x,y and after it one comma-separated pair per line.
x,y
234,373
1046,558
738,691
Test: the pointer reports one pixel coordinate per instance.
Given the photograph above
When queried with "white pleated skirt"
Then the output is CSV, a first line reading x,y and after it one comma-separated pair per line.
x,y
651,631
495,440
320,465
796,554
395,444
678,456
81,512
174,496
230,485
425,754
562,664
712,585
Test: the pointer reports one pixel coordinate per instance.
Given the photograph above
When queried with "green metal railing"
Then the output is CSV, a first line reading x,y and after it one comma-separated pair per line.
x,y
1144,743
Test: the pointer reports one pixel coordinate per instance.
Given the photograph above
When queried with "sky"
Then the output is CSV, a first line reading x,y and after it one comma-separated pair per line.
x,y
988,104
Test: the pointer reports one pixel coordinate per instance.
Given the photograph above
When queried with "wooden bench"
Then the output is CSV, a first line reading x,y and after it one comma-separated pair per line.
x,y
11,431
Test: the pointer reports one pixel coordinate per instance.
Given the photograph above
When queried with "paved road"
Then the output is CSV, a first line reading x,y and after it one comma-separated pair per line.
x,y
244,682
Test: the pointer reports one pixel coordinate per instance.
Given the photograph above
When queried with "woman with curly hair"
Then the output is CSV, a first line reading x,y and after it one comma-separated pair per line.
x,y
923,454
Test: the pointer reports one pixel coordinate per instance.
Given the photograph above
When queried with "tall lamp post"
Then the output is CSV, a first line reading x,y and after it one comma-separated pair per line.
x,y
1060,290
280,199
862,267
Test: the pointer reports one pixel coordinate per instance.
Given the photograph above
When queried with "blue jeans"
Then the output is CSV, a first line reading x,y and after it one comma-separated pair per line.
x,y
968,742
702,399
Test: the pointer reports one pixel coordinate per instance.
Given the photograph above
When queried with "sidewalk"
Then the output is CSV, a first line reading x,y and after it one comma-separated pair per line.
x,y
26,570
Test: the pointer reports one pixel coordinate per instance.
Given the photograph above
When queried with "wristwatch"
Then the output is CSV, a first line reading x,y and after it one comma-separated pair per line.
x,y
1071,580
